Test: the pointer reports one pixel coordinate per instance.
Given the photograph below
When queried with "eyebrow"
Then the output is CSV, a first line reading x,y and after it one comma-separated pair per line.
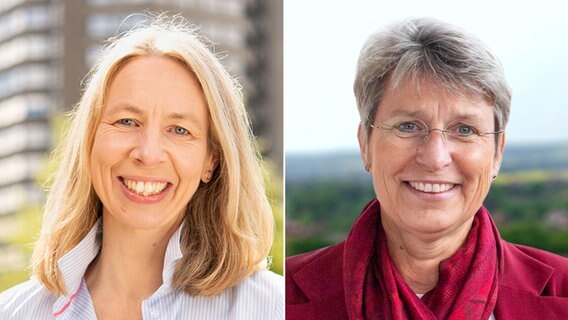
x,y
186,116
419,113
406,113
125,107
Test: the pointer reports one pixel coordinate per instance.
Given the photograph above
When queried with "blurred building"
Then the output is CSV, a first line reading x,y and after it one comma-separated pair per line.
x,y
47,47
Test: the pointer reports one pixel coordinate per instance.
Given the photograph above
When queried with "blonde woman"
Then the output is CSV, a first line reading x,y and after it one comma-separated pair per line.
x,y
158,209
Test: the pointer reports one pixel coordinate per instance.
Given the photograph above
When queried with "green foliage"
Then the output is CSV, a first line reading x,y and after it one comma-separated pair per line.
x,y
535,234
26,223
296,246
10,279
24,228
334,203
273,183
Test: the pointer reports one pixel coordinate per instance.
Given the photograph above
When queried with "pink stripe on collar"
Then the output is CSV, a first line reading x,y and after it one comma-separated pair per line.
x,y
57,313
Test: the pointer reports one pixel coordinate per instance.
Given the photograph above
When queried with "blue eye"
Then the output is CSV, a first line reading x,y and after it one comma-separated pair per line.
x,y
180,131
465,130
127,122
407,127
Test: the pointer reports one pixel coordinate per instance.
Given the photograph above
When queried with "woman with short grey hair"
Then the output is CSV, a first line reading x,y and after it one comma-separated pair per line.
x,y
434,104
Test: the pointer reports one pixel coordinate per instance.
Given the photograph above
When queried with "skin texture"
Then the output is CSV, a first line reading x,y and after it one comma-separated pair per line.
x,y
153,127
424,228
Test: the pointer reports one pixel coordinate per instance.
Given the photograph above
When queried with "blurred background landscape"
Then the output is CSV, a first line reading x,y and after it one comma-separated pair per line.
x,y
325,193
46,49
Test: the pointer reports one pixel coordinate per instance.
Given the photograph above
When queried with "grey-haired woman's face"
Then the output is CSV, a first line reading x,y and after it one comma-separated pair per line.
x,y
435,183
150,148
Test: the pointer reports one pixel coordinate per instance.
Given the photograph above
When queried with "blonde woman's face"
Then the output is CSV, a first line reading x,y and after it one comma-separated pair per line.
x,y
150,148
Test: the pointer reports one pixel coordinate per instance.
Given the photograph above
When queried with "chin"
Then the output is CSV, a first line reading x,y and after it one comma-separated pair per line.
x,y
431,222
143,219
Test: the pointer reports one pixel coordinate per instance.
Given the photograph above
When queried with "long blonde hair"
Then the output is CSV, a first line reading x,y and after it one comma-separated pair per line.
x,y
228,227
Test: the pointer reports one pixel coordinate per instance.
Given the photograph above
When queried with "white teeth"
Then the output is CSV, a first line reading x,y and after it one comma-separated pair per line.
x,y
436,188
139,187
145,188
431,187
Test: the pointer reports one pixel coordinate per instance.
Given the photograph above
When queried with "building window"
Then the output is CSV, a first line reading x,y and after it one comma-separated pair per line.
x,y
26,77
16,196
36,17
27,136
38,106
25,107
106,25
104,3
225,7
26,48
223,33
8,4
21,167
92,53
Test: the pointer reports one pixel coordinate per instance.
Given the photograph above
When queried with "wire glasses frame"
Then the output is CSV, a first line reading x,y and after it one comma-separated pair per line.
x,y
411,134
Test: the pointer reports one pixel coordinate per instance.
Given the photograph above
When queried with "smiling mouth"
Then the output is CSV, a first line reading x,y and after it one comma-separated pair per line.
x,y
431,187
144,188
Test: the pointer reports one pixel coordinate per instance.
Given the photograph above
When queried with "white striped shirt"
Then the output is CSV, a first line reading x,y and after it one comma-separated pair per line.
x,y
260,296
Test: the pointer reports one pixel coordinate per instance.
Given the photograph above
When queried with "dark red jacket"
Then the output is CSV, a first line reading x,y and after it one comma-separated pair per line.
x,y
534,285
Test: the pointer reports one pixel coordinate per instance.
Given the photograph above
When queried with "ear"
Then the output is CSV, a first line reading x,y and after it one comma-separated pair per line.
x,y
211,163
363,146
500,148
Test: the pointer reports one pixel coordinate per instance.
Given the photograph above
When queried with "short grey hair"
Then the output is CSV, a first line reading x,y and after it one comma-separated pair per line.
x,y
455,59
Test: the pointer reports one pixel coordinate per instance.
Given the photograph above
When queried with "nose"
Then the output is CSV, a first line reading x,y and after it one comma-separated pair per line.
x,y
434,153
149,150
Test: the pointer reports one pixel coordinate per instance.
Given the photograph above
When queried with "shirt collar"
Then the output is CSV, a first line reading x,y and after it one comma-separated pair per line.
x,y
173,254
74,263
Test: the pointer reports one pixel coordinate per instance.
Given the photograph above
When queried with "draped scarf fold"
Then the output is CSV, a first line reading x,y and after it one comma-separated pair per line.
x,y
467,283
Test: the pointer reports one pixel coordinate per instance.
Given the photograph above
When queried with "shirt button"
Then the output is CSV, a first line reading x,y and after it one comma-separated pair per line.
x,y
154,314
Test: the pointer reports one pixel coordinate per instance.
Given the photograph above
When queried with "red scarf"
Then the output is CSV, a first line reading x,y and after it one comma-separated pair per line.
x,y
467,285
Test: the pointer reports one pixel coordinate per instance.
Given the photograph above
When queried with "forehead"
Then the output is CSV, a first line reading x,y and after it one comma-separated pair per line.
x,y
154,83
430,101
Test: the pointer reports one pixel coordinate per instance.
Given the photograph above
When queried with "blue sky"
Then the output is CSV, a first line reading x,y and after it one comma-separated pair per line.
x,y
322,40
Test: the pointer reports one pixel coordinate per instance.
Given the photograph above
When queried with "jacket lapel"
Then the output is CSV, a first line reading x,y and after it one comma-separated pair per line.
x,y
521,288
517,304
326,308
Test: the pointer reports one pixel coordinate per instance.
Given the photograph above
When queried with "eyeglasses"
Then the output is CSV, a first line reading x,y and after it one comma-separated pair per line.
x,y
412,133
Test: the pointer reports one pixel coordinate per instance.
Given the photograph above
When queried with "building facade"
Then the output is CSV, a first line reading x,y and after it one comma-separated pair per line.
x,y
47,47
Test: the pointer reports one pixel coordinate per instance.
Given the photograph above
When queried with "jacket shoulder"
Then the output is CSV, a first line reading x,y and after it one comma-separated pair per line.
x,y
523,259
299,261
320,271
552,259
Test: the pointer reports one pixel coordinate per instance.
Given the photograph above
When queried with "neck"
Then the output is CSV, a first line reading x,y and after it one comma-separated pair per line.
x,y
130,262
417,257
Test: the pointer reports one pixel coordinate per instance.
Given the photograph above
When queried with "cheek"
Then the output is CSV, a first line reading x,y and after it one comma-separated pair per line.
x,y
108,149
387,160
101,159
386,163
477,168
189,162
477,163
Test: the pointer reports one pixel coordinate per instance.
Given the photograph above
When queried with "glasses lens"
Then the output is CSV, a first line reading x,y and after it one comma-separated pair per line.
x,y
411,134
404,140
